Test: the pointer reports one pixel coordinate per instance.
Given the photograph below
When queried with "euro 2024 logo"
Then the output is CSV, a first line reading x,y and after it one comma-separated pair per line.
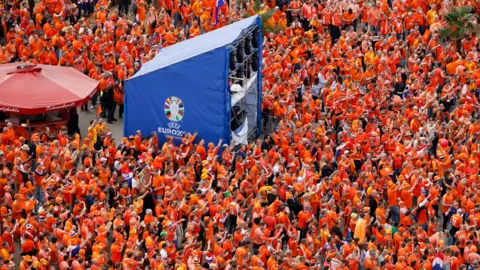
x,y
174,109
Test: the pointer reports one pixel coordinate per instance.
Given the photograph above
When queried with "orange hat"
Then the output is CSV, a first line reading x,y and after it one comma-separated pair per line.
x,y
440,243
81,252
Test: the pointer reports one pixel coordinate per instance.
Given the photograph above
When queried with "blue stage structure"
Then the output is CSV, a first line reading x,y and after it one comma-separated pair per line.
x,y
210,84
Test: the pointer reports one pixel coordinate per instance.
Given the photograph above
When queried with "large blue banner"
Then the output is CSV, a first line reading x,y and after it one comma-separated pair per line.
x,y
186,97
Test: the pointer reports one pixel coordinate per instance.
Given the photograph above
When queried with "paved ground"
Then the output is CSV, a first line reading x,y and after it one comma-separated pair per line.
x,y
116,127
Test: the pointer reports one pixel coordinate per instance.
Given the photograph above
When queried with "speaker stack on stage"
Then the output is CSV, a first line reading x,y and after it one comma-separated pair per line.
x,y
244,58
243,77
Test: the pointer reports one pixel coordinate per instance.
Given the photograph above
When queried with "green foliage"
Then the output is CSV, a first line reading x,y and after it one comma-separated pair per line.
x,y
257,6
460,23
264,16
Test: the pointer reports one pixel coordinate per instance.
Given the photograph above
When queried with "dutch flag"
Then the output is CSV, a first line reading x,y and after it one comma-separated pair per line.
x,y
218,5
438,263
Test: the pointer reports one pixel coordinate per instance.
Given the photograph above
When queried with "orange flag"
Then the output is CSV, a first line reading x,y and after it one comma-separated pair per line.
x,y
99,110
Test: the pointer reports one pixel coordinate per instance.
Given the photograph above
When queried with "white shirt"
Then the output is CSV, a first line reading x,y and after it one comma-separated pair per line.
x,y
163,253
135,182
321,79
117,165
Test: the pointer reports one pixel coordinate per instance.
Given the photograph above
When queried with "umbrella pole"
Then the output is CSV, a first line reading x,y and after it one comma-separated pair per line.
x,y
29,131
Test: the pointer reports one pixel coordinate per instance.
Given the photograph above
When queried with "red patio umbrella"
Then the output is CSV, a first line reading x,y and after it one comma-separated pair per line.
x,y
35,89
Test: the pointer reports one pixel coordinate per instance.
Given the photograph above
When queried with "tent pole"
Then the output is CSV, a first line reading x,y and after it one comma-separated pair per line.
x,y
259,78
228,97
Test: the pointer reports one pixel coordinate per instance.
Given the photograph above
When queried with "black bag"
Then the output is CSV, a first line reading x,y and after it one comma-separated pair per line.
x,y
153,25
43,22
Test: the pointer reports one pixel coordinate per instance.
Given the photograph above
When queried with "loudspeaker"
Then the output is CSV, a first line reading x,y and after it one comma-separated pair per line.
x,y
240,55
248,45
254,61
255,38
233,64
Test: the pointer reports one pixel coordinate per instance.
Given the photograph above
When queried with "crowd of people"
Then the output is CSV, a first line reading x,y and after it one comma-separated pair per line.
x,y
372,163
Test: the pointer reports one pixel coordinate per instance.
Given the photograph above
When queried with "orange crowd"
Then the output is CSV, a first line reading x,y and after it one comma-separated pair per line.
x,y
369,158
